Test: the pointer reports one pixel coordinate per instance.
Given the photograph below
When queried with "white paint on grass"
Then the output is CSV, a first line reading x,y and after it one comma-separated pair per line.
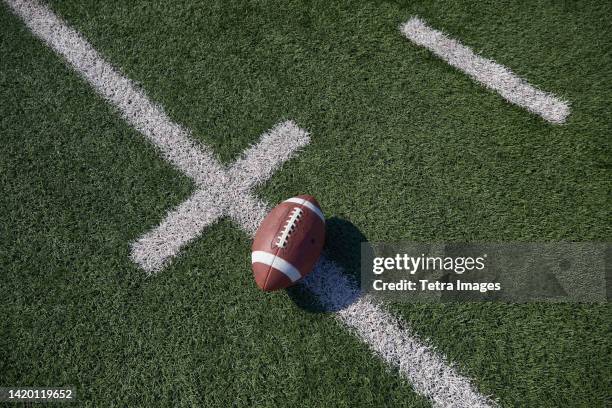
x,y
230,195
174,142
427,371
181,226
218,187
489,73
261,160
222,191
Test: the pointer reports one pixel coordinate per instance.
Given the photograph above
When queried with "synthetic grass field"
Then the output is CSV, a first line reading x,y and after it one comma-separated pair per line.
x,y
404,147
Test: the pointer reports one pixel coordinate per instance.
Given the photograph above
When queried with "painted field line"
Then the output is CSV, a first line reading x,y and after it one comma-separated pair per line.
x,y
180,226
218,187
394,342
260,161
223,191
230,196
174,142
489,73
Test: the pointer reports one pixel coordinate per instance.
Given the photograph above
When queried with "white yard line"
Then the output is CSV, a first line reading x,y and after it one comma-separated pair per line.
x,y
489,73
182,225
224,191
174,142
230,195
427,371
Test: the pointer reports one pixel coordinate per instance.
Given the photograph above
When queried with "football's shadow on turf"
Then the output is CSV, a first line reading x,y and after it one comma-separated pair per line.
x,y
342,246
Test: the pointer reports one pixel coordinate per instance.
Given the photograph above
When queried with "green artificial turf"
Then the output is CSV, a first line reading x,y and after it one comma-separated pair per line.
x,y
403,147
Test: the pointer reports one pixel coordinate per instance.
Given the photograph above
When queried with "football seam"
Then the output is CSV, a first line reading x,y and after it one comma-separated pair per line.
x,y
290,226
278,248
304,203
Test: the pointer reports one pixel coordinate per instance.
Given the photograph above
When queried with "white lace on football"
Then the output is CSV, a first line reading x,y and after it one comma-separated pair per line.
x,y
294,217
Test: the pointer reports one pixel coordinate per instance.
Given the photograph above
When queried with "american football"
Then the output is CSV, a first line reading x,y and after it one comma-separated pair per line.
x,y
288,243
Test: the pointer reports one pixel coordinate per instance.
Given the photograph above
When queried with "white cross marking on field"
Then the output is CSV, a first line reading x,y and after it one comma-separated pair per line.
x,y
227,191
228,194
221,191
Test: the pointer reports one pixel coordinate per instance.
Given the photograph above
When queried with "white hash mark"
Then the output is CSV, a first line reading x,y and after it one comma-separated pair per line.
x,y
489,73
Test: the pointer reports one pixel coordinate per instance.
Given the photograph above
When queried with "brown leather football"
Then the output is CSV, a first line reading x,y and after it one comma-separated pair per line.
x,y
288,243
